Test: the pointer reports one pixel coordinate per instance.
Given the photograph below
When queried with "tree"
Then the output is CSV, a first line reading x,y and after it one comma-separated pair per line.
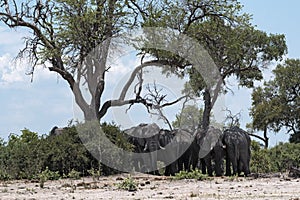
x,y
188,118
67,34
64,33
235,45
276,104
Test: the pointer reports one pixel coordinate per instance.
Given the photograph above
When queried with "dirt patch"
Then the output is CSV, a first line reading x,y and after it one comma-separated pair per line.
x,y
156,187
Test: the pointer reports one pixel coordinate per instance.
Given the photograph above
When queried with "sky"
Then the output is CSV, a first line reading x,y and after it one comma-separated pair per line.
x,y
48,100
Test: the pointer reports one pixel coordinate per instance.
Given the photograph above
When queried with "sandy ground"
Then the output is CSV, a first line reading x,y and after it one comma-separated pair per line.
x,y
155,187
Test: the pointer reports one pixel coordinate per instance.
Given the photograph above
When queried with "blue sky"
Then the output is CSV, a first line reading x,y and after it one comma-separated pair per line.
x,y
48,101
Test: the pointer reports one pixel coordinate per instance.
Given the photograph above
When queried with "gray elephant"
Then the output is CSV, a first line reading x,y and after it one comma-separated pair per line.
x,y
187,149
169,154
237,146
211,149
145,138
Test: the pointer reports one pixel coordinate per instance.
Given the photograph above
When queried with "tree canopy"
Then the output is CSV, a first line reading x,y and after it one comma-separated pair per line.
x,y
65,32
276,104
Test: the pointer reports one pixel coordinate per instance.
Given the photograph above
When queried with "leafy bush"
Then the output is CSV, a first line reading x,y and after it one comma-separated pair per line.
x,y
95,173
47,175
284,156
98,142
25,156
73,174
128,184
194,174
20,157
260,160
277,159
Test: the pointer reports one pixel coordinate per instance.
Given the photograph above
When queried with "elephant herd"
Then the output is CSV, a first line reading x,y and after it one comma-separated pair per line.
x,y
180,149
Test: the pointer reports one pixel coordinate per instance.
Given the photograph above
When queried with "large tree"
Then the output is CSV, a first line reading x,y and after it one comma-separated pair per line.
x,y
235,45
276,104
65,32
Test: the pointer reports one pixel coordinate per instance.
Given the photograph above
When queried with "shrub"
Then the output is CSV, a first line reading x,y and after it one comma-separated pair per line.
x,y
73,174
260,159
47,175
284,156
194,174
277,159
128,184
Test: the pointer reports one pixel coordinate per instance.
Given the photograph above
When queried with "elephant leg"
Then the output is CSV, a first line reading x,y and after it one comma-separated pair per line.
x,y
208,164
218,158
203,166
245,166
228,165
180,164
218,167
234,166
240,167
168,170
153,157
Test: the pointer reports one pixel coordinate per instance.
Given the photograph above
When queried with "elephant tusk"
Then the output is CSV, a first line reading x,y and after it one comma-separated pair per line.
x,y
146,147
162,147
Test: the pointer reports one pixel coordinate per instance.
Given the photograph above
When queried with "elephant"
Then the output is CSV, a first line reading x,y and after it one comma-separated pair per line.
x,y
56,131
211,148
145,138
187,150
237,142
168,155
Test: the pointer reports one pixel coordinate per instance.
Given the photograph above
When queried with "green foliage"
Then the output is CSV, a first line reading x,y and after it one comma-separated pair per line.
x,y
65,152
47,175
30,156
99,143
128,184
73,174
260,160
95,173
194,174
276,105
19,157
284,156
277,159
295,137
189,118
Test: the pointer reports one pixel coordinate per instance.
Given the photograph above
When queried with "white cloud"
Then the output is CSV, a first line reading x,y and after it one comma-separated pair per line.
x,y
11,40
11,71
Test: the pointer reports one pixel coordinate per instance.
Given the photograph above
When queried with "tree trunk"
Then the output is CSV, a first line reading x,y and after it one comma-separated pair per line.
x,y
266,139
207,109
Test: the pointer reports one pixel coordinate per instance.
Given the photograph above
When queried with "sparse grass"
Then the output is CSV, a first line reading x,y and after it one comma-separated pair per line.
x,y
232,178
194,174
73,174
128,184
95,173
47,175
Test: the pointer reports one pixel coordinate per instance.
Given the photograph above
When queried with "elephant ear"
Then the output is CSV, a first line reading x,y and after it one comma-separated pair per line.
x,y
209,141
